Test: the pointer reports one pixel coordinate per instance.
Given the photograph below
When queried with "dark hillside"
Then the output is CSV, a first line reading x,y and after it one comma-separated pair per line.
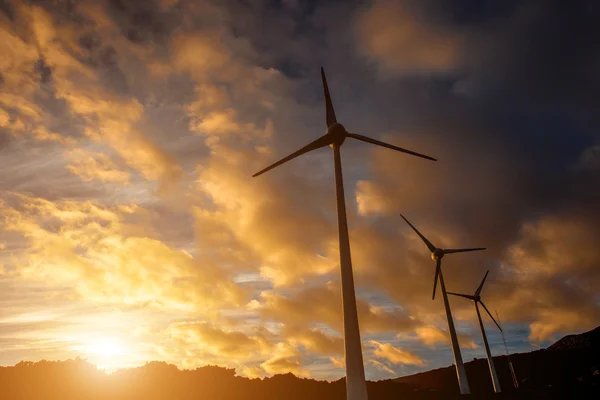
x,y
570,364
569,369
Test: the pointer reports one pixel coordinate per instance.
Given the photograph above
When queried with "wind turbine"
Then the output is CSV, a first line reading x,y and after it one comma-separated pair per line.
x,y
436,255
476,298
510,364
356,387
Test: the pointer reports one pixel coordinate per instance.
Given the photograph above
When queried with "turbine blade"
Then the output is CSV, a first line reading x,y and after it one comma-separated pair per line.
x,y
389,146
320,142
430,246
449,251
437,273
478,291
490,314
497,316
466,296
329,111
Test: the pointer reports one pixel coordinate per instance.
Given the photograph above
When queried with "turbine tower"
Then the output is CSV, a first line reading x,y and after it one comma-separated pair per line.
x,y
436,255
476,298
356,387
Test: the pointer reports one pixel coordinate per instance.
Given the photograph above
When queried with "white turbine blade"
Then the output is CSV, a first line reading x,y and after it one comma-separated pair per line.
x,y
478,291
450,251
430,246
490,314
329,111
466,296
320,142
389,146
437,273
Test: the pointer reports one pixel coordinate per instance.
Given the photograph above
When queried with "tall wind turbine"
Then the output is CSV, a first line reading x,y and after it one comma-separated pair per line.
x,y
356,387
510,364
476,298
436,255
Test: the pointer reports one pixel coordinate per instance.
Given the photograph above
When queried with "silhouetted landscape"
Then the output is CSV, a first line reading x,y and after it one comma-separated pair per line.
x,y
568,369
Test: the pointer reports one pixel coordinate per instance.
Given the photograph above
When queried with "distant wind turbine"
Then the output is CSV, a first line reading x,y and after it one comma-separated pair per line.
x,y
436,255
356,387
510,365
476,298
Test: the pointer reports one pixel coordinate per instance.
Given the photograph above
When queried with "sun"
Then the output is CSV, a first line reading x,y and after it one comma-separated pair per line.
x,y
105,347
107,353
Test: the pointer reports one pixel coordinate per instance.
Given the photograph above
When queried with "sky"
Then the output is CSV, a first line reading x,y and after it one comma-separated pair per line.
x,y
131,229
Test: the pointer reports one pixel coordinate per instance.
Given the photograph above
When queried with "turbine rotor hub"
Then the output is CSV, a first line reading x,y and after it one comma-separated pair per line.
x,y
437,254
338,132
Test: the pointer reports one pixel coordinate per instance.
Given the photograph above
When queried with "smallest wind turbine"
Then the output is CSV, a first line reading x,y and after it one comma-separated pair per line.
x,y
510,364
436,255
476,298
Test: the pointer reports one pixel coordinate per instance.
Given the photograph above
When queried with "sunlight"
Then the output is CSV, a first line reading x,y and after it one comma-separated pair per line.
x,y
108,353
105,347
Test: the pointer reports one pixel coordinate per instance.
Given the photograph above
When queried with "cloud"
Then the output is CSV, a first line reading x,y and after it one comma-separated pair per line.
x,y
288,362
395,355
382,367
323,305
255,354
315,341
110,116
554,265
395,35
589,160
432,336
109,260
215,343
92,165
338,362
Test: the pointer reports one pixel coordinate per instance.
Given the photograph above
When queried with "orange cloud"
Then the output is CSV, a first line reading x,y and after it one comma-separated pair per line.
x,y
315,341
92,165
382,367
218,344
109,260
395,355
323,305
553,246
431,336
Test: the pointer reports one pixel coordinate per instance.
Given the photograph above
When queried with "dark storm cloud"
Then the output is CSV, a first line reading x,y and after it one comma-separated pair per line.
x,y
533,71
7,8
44,71
509,122
142,21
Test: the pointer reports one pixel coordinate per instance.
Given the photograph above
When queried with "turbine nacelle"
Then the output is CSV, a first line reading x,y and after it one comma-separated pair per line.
x,y
338,134
437,254
476,298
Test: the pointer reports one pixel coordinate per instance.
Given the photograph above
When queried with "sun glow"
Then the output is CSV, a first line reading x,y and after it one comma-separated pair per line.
x,y
106,347
107,353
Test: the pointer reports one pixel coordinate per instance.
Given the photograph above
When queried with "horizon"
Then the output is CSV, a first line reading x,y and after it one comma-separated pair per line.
x,y
146,363
132,230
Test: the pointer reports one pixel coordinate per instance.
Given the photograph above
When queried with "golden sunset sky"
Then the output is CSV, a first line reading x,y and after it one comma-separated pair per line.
x,y
131,229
